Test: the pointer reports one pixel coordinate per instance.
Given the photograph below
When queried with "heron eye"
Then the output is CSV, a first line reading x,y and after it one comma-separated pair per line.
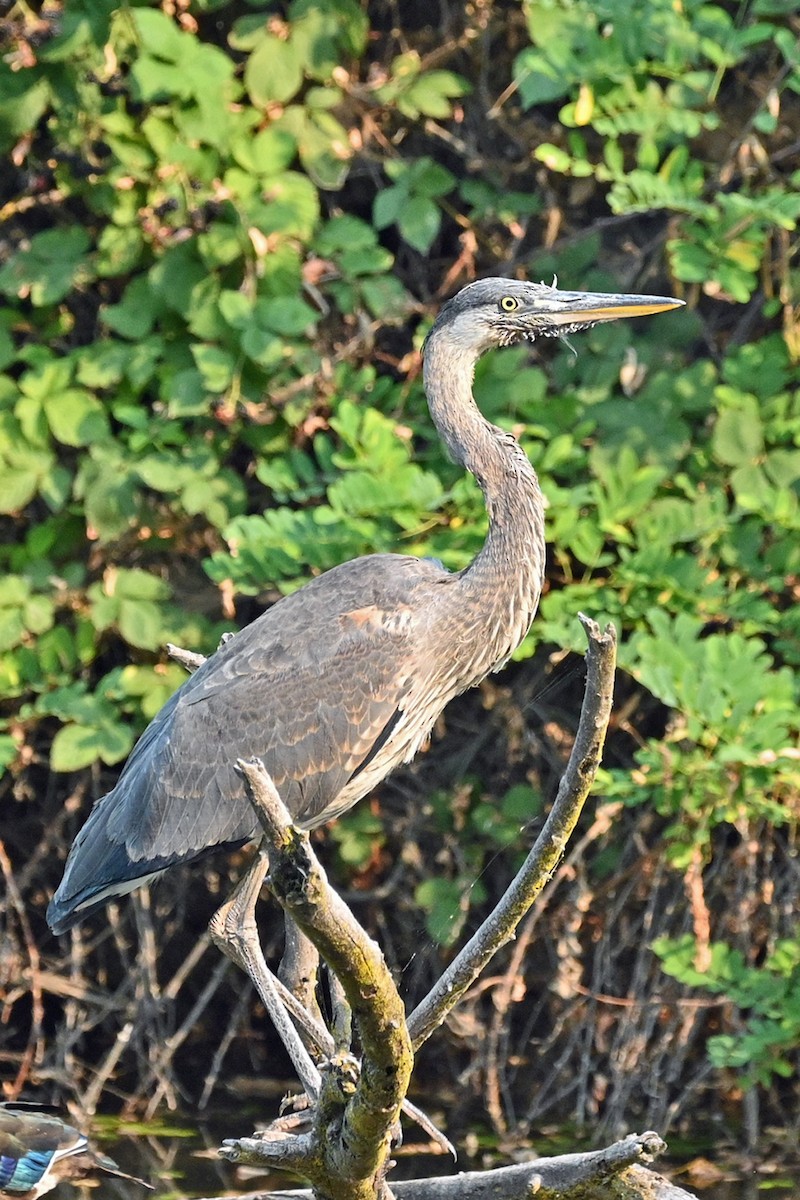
x,y
510,304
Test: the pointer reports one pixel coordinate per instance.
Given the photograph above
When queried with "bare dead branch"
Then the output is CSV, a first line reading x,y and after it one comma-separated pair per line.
x,y
341,1154
341,1014
314,1032
614,1173
187,658
299,969
321,1042
359,1104
543,859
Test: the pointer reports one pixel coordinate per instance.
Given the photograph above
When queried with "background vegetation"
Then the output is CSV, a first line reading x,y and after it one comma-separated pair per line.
x,y
226,228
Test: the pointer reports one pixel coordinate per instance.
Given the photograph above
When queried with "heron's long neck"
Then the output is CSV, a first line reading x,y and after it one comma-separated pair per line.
x,y
506,577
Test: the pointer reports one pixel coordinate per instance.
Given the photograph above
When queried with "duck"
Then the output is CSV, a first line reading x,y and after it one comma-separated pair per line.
x,y
38,1151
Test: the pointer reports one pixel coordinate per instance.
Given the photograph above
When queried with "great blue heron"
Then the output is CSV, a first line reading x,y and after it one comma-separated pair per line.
x,y
38,1150
338,683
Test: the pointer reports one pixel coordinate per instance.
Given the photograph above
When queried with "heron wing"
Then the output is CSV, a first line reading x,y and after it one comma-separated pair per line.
x,y
313,709
315,687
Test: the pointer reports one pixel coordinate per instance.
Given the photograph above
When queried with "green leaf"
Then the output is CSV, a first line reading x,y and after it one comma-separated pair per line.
x,y
186,394
23,100
738,434
46,270
325,150
103,364
110,498
236,308
388,205
221,244
432,93
326,32
358,836
419,223
273,73
76,418
119,249
141,624
783,467
38,614
20,485
175,277
160,35
261,346
12,628
384,296
751,487
74,747
140,585
539,81
442,900
78,746
8,744
267,153
428,178
288,316
134,316
216,366
555,158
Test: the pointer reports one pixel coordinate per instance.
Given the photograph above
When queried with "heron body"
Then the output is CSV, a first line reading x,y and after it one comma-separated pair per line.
x,y
341,681
38,1150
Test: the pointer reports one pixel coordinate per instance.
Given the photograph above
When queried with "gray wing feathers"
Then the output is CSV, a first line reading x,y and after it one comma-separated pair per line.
x,y
308,688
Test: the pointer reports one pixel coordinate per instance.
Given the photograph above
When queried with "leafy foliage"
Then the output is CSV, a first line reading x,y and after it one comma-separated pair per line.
x,y
769,994
650,89
410,203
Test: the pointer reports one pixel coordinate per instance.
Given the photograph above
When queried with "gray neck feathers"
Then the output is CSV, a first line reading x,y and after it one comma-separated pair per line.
x,y
509,569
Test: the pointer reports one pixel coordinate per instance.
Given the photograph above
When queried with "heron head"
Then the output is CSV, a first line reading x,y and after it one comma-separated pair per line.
x,y
500,312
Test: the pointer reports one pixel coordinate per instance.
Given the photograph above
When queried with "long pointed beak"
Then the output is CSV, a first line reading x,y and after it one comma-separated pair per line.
x,y
567,308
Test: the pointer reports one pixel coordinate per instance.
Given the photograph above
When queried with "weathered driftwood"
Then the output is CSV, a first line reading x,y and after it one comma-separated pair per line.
x,y
341,1142
614,1173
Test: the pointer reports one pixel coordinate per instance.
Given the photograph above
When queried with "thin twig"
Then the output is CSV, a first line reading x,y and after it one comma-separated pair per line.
x,y
236,1018
186,658
189,1023
34,1049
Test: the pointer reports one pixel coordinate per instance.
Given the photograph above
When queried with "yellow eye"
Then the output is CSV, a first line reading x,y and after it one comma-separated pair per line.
x,y
510,304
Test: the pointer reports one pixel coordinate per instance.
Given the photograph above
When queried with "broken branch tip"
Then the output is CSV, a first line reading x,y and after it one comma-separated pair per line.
x,y
594,633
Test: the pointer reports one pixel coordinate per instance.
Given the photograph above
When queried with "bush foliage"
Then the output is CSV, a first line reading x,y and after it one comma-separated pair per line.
x,y
226,229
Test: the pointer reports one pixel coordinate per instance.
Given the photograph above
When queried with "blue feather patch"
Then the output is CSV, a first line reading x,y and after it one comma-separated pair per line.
x,y
21,1174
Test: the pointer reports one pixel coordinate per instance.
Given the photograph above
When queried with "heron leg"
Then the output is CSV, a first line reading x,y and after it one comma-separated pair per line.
x,y
233,929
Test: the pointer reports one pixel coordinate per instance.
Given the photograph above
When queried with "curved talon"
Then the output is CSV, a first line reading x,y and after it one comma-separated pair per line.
x,y
295,1102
